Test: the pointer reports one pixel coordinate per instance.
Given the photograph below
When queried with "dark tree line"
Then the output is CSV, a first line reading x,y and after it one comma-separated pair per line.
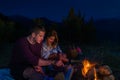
x,y
72,30
7,29
76,30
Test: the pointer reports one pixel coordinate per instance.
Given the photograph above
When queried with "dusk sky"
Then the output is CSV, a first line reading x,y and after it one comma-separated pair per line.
x,y
56,10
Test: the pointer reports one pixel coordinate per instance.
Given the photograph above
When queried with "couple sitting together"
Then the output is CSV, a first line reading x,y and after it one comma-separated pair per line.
x,y
35,59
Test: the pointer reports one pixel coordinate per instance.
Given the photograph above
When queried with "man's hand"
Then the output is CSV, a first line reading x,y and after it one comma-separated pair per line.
x,y
42,62
39,69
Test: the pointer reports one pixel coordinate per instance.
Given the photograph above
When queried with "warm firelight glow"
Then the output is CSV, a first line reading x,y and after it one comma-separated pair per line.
x,y
86,67
95,74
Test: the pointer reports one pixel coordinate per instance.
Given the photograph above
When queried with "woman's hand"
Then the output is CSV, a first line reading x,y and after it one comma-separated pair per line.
x,y
59,63
63,57
53,56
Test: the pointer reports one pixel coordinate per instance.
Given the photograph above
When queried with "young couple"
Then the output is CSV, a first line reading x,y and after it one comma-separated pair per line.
x,y
32,57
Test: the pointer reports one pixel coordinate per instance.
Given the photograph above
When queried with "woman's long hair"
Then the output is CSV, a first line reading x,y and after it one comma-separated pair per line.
x,y
53,33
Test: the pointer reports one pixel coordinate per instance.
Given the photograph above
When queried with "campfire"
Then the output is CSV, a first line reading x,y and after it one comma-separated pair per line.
x,y
93,71
87,67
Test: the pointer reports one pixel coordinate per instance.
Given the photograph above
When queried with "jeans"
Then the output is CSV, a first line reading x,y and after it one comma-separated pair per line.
x,y
31,74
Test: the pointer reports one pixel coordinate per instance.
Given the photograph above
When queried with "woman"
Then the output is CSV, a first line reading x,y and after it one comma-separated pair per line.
x,y
51,49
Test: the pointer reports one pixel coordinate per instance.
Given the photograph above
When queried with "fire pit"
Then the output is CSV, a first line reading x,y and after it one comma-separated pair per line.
x,y
93,71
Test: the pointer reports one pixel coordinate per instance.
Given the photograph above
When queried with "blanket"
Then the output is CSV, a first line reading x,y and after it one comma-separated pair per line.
x,y
5,74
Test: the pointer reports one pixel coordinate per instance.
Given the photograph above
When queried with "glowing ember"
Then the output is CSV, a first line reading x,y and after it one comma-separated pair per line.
x,y
95,74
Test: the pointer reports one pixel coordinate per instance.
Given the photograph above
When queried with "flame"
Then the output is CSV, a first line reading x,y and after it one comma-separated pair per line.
x,y
86,67
95,74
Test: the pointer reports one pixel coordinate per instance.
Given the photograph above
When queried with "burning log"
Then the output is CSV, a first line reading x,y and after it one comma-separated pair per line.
x,y
105,73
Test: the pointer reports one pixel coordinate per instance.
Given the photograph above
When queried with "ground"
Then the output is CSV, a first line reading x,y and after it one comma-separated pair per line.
x,y
104,54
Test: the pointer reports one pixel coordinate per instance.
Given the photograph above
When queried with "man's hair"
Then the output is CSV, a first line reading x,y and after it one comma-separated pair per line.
x,y
37,29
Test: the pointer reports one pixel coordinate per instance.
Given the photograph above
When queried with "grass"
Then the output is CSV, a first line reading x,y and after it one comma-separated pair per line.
x,y
5,54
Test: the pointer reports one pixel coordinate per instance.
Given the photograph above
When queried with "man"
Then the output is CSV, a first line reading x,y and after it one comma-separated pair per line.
x,y
26,60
